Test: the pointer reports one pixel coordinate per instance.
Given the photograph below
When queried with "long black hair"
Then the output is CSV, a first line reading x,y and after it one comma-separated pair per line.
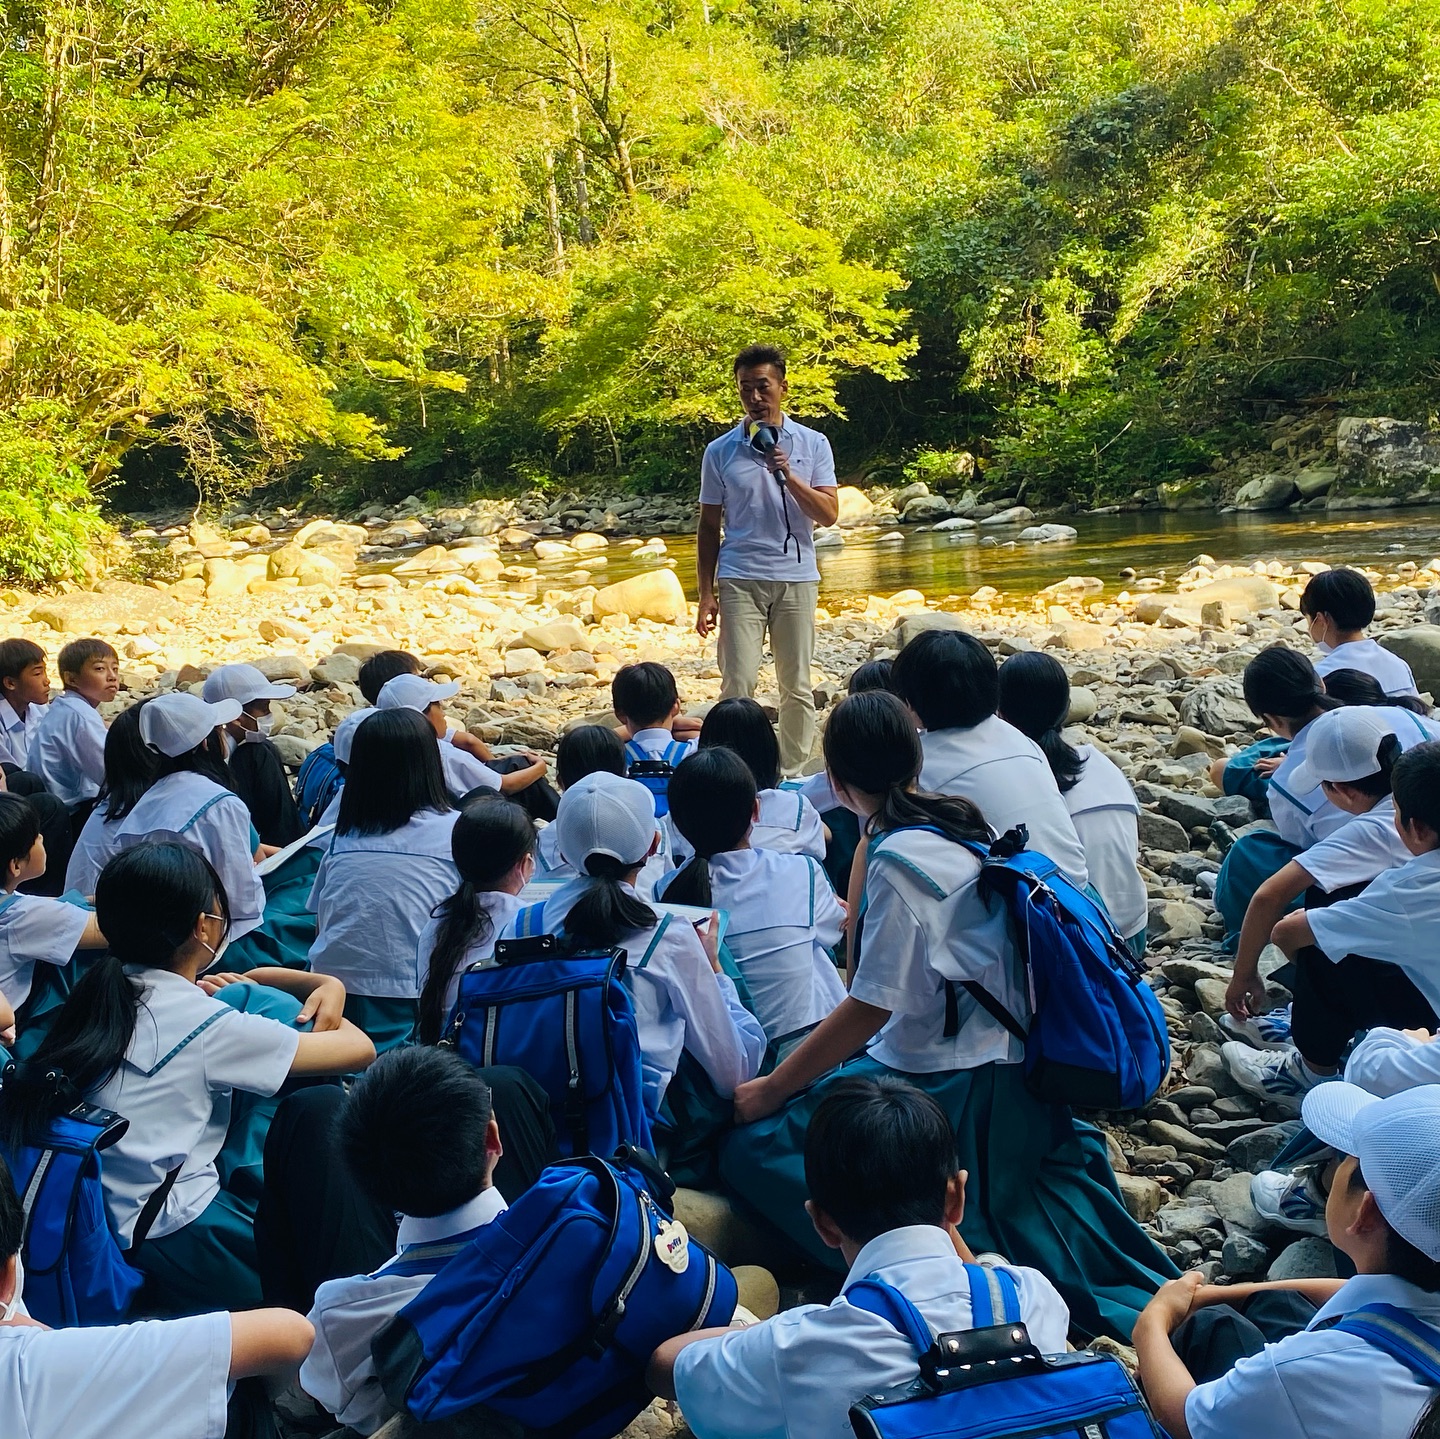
x,y
130,764
393,774
587,749
490,838
1358,687
740,725
1035,698
147,902
871,748
604,914
1280,681
712,802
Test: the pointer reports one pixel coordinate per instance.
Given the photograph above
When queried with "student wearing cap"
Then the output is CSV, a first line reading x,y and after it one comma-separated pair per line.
x,y
256,771
340,743
1319,1358
684,1003
388,865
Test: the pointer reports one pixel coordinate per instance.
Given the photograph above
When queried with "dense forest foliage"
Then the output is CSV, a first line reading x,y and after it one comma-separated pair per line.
x,y
386,245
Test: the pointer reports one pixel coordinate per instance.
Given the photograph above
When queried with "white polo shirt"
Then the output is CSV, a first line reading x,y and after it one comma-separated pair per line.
x,y
733,475
1358,851
188,1054
349,1313
35,930
783,916
68,748
373,895
1392,673
1007,775
502,907
1321,1383
925,925
795,1376
158,1379
789,824
1106,816
463,772
1395,918
1388,1061
16,734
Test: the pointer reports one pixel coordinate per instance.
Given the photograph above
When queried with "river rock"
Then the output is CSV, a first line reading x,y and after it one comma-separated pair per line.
x,y
1083,705
1189,810
557,635
548,550
924,509
1315,482
1255,1152
307,566
1231,1200
279,627
955,524
1159,832
336,669
1143,1197
856,507
1308,1258
1267,492
587,542
111,605
283,669
1382,461
1172,920
916,490
1185,1221
908,626
1183,1141
224,579
401,532
1015,515
1243,1255
1217,707
1419,647
1196,493
1048,534
655,595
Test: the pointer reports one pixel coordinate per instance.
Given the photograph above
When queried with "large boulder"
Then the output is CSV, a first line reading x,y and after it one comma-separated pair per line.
x,y
107,608
557,635
1240,593
908,626
856,507
1049,534
1419,647
1382,462
307,566
1197,493
925,509
1217,707
655,595
1015,515
1266,492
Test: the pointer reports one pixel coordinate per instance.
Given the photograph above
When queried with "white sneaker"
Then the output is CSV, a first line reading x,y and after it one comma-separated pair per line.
x,y
1293,1201
1278,1076
1263,1031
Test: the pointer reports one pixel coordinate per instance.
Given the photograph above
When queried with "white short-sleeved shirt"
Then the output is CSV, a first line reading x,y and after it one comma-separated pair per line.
x,y
1388,1061
1392,673
373,895
1321,1383
502,907
463,772
198,812
35,930
97,844
789,824
1357,852
795,1376
817,789
340,1371
1106,816
1007,775
680,1002
783,917
925,926
188,1054
68,749
1395,918
16,734
159,1379
733,475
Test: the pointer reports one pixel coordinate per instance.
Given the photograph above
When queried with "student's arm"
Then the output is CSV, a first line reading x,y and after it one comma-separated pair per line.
x,y
471,744
268,1342
92,938
660,1374
1387,1061
88,748
1293,933
698,994
322,995
7,1022
1317,1291
523,778
1163,1375
1246,992
686,727
342,1051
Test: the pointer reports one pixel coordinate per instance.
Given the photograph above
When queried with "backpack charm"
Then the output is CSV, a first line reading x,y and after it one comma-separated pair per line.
x,y
672,1245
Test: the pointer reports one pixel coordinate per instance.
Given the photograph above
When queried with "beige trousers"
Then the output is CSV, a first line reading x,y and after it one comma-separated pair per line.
x,y
748,608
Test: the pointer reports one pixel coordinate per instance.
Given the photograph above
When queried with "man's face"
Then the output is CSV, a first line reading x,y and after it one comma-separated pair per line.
x,y
762,393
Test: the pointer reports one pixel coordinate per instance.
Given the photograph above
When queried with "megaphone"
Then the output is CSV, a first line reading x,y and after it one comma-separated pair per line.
x,y
763,438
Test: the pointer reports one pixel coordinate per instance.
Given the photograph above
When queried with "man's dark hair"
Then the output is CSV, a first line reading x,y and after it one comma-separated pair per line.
x,y
17,655
412,1131
644,694
12,1216
879,1155
948,678
379,670
1415,783
78,653
752,356
1344,595
1403,1259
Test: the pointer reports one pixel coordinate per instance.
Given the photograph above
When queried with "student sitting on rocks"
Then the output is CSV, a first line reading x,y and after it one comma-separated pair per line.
x,y
68,750
1338,605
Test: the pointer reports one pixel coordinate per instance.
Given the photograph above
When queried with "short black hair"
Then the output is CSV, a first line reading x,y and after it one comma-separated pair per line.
x,y
1280,681
412,1131
12,1216
78,653
19,827
760,354
879,1155
644,694
1344,595
1402,1259
17,655
1415,783
740,724
380,669
872,675
948,678
587,749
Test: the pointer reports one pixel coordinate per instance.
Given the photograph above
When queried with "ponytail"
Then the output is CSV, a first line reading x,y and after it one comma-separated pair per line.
x,y
691,884
712,803
1035,698
605,913
956,817
1378,785
464,924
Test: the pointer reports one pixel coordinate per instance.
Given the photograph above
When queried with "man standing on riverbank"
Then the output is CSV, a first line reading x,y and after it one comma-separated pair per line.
x,y
771,481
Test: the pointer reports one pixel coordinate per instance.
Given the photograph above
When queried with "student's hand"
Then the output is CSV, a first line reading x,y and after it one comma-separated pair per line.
x,y
7,1036
1173,1302
264,851
326,1006
686,727
1245,995
1420,1036
1267,766
755,1100
710,938
211,983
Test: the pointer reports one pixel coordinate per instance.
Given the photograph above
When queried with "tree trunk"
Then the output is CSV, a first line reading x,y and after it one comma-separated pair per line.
x,y
582,188
552,197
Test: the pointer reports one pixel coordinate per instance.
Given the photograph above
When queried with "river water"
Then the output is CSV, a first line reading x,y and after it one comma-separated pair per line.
x,y
1151,543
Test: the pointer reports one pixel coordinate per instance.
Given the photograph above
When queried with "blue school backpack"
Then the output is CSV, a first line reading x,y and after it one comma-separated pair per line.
x,y
1401,1335
655,774
568,1021
991,1381
318,782
75,1272
546,1322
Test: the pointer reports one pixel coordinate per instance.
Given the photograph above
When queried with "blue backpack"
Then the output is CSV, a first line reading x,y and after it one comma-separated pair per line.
x,y
655,774
318,782
546,1321
75,1272
991,1381
568,1021
1401,1335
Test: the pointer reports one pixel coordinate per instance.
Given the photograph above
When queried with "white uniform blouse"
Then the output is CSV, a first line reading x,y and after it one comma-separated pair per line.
x,y
1106,816
789,824
35,930
68,749
502,907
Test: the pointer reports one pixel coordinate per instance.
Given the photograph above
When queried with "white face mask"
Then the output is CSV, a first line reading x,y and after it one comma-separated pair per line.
x,y
263,725
15,1306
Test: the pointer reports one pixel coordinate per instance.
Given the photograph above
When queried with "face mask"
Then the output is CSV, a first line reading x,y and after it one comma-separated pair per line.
x,y
15,1305
263,725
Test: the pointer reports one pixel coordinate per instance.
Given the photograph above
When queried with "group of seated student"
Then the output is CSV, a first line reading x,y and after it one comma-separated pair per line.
x,y
810,1039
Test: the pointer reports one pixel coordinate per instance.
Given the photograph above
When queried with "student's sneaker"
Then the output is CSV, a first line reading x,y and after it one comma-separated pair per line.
x,y
1293,1201
1278,1076
1264,1031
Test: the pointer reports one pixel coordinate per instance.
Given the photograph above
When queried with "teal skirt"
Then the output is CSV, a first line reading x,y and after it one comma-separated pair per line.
x,y
287,931
1252,859
1040,1189
389,1022
50,986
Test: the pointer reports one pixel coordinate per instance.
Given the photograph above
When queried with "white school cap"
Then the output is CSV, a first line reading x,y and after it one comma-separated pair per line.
x,y
1341,745
175,723
345,732
1396,1141
244,683
414,692
605,814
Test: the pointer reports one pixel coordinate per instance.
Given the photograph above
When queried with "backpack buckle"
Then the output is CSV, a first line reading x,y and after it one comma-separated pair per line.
x,y
975,1356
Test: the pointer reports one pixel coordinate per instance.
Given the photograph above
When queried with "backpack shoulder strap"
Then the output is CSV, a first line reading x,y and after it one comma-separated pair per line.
x,y
530,921
659,933
876,1297
994,1299
429,1259
1402,1336
8,900
675,751
633,752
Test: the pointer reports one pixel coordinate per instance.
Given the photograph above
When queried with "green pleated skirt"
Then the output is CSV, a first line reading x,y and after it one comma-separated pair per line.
x,y
287,930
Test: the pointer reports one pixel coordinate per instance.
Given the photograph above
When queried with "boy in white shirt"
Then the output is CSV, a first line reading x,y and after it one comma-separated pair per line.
x,y
1338,605
647,704
69,746
24,693
886,1191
